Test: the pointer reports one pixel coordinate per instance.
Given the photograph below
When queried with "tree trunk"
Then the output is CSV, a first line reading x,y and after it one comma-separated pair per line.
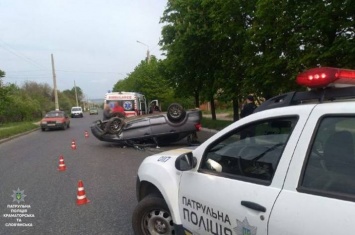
x,y
197,99
213,109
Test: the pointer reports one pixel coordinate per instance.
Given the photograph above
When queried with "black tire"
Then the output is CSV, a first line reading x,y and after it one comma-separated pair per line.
x,y
43,129
152,216
114,125
176,113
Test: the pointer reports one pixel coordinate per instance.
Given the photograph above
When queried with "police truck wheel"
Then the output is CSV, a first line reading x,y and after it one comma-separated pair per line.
x,y
152,216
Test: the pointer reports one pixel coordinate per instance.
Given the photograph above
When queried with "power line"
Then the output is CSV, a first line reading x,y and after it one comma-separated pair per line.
x,y
18,54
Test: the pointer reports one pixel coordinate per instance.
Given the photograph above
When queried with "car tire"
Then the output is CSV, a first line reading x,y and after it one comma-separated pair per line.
x,y
115,125
152,216
176,113
43,129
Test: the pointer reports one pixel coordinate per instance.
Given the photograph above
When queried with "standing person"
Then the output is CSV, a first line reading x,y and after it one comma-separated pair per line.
x,y
248,107
118,110
107,112
154,108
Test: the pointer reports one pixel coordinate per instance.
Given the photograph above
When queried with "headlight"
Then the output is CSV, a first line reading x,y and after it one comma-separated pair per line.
x,y
43,122
59,122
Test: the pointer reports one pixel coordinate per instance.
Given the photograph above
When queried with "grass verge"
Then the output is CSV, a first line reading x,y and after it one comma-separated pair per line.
x,y
214,124
10,129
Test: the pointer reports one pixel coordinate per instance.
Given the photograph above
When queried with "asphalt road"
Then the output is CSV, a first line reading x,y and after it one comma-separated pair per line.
x,y
47,197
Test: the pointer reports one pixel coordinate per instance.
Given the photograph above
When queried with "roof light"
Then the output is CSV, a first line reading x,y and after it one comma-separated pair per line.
x,y
322,77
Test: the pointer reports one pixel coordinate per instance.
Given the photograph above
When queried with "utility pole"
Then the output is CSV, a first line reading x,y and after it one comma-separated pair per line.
x,y
55,86
148,53
148,56
76,95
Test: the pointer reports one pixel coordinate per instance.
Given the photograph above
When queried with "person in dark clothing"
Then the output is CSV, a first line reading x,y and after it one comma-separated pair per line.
x,y
154,108
248,107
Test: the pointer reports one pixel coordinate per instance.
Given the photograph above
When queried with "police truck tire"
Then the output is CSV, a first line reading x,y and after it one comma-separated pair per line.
x,y
152,216
176,113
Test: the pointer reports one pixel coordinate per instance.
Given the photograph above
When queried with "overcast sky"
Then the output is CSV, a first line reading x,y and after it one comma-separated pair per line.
x,y
94,42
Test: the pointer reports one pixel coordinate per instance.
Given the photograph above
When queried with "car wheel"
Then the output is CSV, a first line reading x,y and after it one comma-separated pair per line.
x,y
115,125
43,129
152,216
176,112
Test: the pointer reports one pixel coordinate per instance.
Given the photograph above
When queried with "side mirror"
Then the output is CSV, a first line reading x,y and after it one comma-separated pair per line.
x,y
185,162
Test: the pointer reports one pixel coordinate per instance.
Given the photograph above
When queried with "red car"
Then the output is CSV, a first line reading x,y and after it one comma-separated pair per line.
x,y
55,120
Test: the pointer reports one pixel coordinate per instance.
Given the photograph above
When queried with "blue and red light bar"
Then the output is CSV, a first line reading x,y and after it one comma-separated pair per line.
x,y
324,76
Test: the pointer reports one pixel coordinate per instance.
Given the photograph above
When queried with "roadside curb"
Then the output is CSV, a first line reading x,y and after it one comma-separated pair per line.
x,y
209,130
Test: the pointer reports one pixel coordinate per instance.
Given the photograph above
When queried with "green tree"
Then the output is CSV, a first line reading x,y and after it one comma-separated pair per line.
x,y
3,97
148,80
20,106
186,37
302,35
43,93
65,102
205,40
71,96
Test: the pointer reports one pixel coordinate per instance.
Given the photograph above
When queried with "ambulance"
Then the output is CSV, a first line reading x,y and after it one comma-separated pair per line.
x,y
134,103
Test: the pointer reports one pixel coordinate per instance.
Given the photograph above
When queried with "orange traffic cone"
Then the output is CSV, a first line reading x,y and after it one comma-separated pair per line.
x,y
86,134
81,196
62,166
73,145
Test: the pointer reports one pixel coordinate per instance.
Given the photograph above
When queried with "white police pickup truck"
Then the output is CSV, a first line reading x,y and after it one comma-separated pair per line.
x,y
289,168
